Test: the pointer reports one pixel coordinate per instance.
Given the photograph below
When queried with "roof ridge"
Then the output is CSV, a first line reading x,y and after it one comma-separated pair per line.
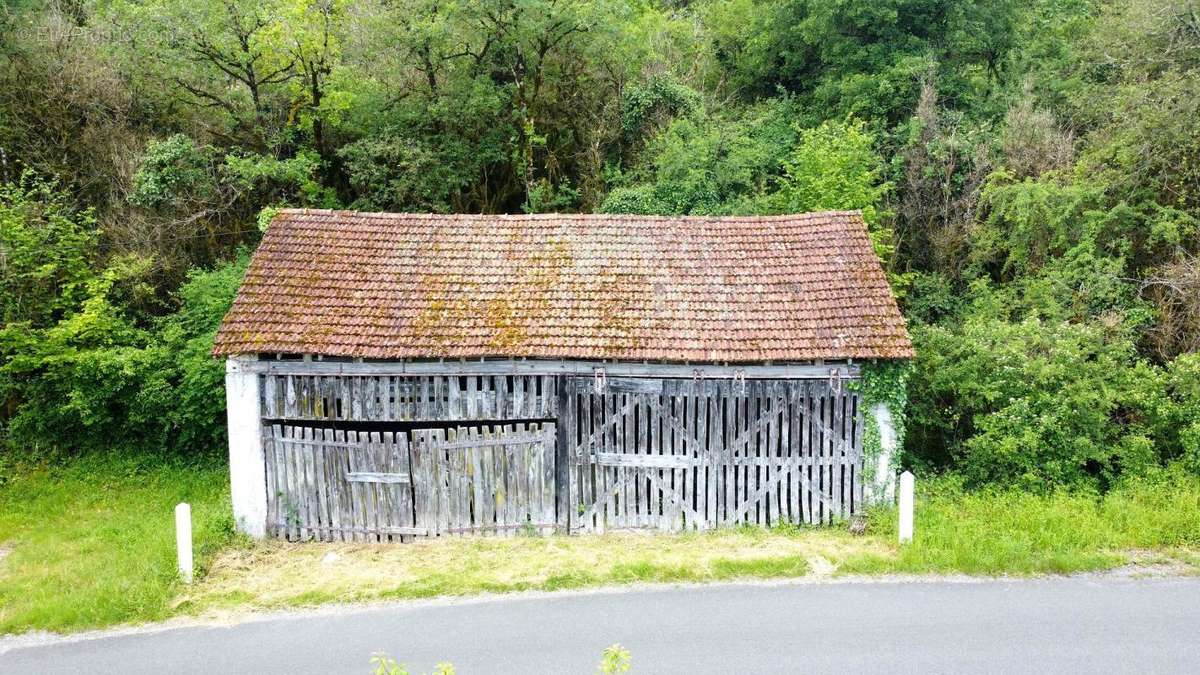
x,y
807,215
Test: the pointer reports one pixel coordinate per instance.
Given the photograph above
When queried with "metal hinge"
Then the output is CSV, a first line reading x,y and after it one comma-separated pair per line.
x,y
739,381
601,382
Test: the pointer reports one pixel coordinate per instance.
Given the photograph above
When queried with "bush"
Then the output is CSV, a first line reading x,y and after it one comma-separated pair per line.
x,y
1035,403
46,252
95,379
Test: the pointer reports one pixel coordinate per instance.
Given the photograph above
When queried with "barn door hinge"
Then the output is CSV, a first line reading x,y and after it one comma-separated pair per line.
x,y
739,381
835,380
601,382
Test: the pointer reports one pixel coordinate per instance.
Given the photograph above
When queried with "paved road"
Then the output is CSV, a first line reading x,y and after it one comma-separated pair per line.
x,y
1059,625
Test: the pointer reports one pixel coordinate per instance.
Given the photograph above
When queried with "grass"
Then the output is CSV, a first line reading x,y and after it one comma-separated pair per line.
x,y
91,544
277,574
1020,533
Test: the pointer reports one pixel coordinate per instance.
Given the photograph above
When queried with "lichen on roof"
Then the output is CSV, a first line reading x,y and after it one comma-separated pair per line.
x,y
375,285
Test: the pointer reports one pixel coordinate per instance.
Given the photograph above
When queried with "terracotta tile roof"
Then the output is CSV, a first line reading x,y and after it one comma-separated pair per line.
x,y
385,285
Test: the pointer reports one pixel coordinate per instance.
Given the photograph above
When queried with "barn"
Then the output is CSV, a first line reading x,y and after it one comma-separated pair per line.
x,y
392,376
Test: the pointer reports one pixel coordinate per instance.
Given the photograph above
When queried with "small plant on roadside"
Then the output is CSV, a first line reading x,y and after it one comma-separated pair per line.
x,y
615,659
386,665
788,528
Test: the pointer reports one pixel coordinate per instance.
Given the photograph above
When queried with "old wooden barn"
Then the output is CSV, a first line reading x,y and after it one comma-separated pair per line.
x,y
393,376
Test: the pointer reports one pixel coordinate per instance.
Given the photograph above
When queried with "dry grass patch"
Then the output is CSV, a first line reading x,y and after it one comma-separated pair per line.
x,y
277,574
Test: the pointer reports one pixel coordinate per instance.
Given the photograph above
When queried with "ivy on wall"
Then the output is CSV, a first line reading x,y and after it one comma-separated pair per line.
x,y
882,382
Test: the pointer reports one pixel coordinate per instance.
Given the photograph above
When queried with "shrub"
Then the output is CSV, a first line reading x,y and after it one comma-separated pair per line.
x,y
96,380
1034,403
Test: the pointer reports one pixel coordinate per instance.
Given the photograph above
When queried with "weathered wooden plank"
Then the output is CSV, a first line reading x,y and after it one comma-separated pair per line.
x,y
474,461
641,461
641,423
548,463
275,476
500,486
320,442
551,368
613,482
519,399
476,441
769,473
423,499
376,510
793,450
472,400
716,449
837,454
292,497
533,464
463,467
703,489
378,477
269,404
321,485
630,507
356,518
346,507
447,502
357,533
308,493
627,385
377,497
334,481
521,454
566,480
581,466
456,463
728,431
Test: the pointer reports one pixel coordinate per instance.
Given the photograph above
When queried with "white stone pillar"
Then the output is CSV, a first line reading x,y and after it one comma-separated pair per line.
x,y
882,488
247,465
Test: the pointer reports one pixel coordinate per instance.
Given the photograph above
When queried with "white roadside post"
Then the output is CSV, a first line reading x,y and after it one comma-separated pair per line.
x,y
183,540
906,507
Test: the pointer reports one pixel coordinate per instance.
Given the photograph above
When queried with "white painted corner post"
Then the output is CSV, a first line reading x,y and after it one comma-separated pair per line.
x,y
247,465
882,487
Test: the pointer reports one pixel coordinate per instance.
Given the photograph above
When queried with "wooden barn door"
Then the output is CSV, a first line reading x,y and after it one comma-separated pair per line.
x,y
335,485
693,454
485,479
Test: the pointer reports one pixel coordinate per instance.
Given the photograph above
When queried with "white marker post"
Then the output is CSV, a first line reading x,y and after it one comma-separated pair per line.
x,y
183,540
906,507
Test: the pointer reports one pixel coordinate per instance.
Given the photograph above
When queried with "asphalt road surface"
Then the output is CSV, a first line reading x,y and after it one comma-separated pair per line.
x,y
1065,625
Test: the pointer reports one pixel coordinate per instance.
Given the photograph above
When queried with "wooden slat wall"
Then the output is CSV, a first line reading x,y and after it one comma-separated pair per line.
x,y
693,454
334,485
668,454
399,398
486,480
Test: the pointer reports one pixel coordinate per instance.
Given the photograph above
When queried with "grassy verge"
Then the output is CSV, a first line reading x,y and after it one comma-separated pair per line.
x,y
277,574
1013,532
92,543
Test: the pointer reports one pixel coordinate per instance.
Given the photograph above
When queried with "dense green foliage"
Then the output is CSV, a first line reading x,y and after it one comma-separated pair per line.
x,y
1030,173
